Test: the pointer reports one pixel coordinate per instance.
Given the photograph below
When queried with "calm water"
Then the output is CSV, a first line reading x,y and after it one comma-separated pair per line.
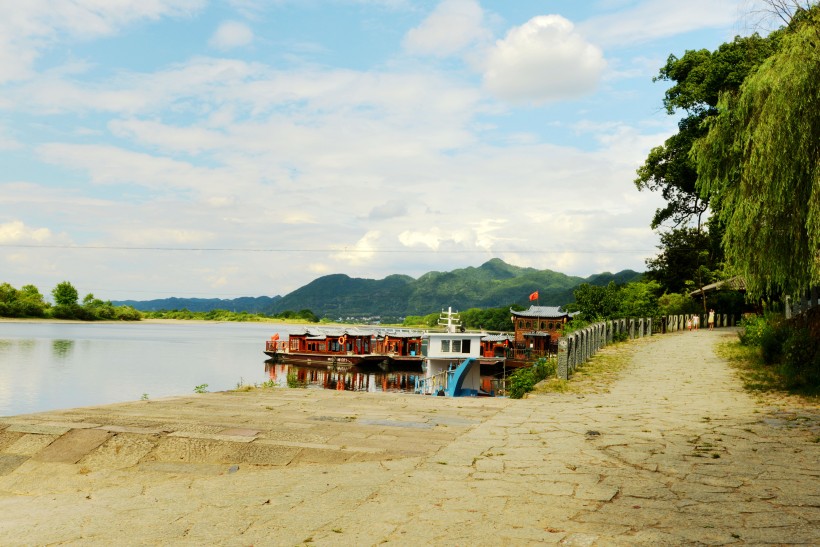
x,y
47,366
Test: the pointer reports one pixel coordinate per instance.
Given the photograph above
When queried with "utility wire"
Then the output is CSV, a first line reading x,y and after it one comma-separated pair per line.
x,y
328,250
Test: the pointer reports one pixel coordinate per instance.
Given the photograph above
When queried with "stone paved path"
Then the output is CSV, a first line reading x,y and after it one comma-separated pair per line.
x,y
674,452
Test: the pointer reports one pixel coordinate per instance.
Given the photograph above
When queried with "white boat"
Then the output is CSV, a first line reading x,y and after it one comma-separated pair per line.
x,y
452,360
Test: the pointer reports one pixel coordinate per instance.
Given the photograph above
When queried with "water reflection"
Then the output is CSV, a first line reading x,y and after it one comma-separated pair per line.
x,y
62,348
350,379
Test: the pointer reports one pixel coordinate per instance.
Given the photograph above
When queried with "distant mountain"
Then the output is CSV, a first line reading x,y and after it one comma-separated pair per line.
x,y
250,304
494,283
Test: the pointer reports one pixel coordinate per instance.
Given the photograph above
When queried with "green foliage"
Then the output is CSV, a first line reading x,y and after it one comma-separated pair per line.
x,y
26,302
490,319
213,315
794,345
596,303
759,165
523,380
65,294
690,258
639,299
201,388
698,79
801,359
676,304
29,302
294,382
751,330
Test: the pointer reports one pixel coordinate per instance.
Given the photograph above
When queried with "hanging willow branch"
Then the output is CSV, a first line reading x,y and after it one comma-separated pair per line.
x,y
758,163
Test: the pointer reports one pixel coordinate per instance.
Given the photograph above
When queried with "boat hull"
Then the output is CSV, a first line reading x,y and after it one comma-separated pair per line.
x,y
317,359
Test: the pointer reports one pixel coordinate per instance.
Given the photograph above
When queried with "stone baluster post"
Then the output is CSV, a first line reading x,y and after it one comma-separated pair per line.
x,y
563,358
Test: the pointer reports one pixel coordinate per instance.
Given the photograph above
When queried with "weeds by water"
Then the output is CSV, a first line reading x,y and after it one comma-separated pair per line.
x,y
241,386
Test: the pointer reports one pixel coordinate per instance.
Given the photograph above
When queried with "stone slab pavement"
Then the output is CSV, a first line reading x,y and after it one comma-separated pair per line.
x,y
672,452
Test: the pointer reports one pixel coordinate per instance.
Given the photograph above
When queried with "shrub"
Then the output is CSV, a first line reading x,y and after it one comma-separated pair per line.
x,y
621,336
772,338
800,359
294,382
751,329
523,380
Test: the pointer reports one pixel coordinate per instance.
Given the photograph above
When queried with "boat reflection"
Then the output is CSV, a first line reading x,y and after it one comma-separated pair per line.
x,y
341,378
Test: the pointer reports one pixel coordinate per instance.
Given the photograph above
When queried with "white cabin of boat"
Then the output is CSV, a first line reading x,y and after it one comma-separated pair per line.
x,y
444,352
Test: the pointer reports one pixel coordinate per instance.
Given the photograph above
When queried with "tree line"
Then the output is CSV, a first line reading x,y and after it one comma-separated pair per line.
x,y
29,302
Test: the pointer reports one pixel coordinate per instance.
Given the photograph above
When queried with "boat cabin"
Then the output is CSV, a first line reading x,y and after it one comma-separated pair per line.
x,y
451,360
330,341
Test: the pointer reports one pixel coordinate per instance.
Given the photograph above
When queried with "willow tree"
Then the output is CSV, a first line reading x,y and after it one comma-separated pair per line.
x,y
759,165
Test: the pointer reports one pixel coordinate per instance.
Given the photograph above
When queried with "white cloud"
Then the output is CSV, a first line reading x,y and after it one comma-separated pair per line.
x,y
29,27
363,251
453,26
231,34
111,165
17,232
653,19
543,60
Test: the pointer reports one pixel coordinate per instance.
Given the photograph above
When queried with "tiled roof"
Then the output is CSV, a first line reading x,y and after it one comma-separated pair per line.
x,y
736,283
546,312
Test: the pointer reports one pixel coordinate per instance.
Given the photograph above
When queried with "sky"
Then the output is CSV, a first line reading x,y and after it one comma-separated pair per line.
x,y
217,149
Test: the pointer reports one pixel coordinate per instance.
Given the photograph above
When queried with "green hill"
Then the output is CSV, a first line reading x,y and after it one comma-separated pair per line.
x,y
495,283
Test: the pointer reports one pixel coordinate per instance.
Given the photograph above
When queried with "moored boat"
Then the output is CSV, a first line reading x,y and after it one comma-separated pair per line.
x,y
353,346
459,364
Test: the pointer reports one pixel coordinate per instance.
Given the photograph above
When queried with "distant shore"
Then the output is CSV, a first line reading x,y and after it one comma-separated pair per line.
x,y
172,321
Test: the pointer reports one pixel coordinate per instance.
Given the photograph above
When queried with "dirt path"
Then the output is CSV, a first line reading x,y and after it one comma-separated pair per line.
x,y
673,452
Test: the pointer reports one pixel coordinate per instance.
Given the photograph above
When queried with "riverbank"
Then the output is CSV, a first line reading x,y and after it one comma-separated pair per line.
x,y
182,321
671,450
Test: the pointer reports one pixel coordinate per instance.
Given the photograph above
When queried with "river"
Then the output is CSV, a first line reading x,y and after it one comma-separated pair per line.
x,y
54,365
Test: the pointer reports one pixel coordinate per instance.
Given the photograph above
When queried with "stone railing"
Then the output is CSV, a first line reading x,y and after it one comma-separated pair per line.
x,y
579,346
672,323
797,305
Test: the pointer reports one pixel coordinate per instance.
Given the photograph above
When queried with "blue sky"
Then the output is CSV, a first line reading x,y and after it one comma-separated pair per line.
x,y
244,147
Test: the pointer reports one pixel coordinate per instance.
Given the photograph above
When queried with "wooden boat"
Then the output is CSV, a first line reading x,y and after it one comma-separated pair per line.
x,y
336,347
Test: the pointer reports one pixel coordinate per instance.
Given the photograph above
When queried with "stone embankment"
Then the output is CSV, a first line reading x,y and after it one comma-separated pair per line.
x,y
672,452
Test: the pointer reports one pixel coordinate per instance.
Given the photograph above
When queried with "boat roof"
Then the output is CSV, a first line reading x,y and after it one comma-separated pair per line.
x,y
321,333
496,338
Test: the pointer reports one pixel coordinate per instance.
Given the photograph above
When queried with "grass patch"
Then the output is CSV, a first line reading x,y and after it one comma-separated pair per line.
x,y
597,374
759,377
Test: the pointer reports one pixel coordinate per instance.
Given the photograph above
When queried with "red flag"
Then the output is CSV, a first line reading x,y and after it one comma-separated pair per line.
x,y
534,296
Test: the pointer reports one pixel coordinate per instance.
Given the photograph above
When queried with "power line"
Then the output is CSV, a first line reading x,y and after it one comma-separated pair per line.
x,y
320,250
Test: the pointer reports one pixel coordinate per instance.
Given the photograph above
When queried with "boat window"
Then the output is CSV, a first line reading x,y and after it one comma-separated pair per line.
x,y
465,346
456,346
322,347
520,323
543,325
529,324
445,346
294,344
